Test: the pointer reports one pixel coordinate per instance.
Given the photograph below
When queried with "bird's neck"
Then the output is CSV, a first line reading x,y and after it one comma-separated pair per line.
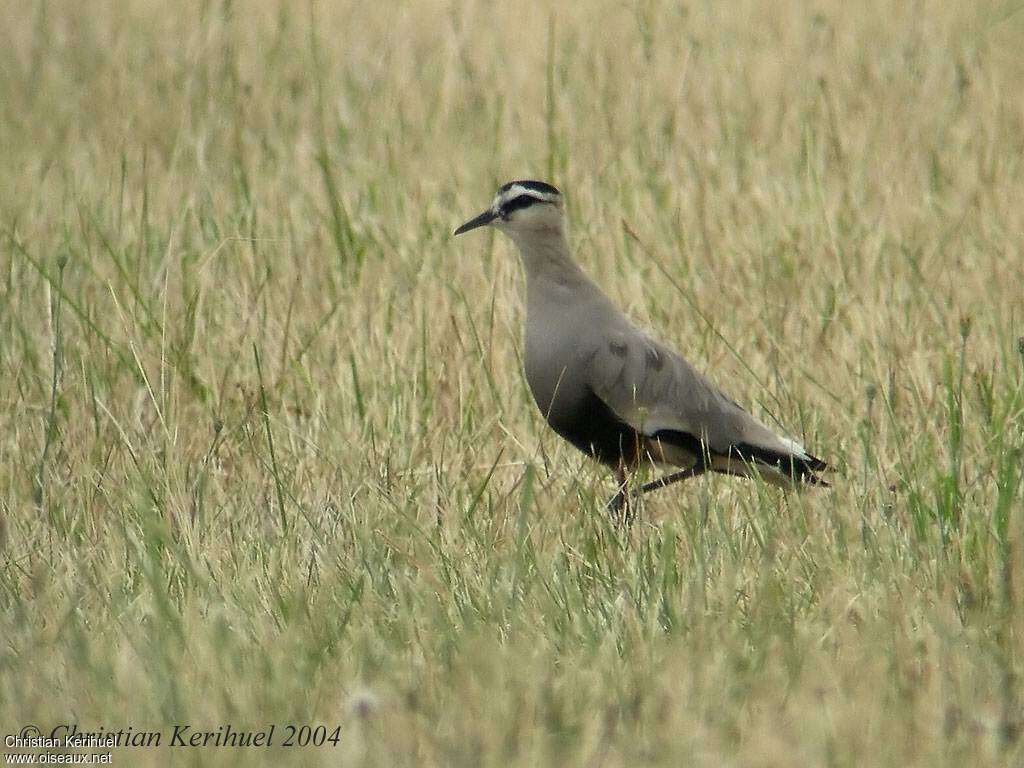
x,y
548,265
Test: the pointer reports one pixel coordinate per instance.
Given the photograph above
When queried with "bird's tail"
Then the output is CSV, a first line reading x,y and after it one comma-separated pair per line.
x,y
787,468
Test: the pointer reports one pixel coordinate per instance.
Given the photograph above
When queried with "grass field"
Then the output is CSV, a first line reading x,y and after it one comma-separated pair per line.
x,y
267,455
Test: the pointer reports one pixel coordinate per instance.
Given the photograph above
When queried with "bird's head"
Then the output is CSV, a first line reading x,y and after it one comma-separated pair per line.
x,y
522,208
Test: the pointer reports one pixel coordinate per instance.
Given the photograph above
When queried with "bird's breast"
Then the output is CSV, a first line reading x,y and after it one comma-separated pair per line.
x,y
556,372
551,373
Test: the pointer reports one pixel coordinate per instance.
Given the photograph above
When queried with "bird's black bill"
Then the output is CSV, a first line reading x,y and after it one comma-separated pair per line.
x,y
482,220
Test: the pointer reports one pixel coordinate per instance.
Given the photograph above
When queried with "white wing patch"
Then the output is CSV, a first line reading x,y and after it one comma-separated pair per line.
x,y
793,447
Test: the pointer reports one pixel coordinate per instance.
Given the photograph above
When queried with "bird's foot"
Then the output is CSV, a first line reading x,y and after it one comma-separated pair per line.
x,y
620,508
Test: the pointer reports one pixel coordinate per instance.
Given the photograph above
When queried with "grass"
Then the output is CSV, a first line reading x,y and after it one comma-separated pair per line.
x,y
267,455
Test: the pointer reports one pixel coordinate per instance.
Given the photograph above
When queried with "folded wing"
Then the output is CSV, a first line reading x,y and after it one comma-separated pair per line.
x,y
684,416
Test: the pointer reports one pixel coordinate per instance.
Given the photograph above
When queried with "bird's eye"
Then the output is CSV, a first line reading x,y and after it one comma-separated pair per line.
x,y
520,201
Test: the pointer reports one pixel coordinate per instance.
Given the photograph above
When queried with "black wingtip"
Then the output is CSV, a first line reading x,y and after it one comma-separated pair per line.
x,y
817,465
800,468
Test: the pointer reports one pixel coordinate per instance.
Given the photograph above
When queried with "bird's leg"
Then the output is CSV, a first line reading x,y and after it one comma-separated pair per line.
x,y
684,474
618,506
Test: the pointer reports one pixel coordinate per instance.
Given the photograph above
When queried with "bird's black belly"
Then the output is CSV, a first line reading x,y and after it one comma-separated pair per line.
x,y
594,428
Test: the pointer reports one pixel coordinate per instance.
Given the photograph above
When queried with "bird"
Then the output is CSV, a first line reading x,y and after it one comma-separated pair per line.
x,y
608,387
